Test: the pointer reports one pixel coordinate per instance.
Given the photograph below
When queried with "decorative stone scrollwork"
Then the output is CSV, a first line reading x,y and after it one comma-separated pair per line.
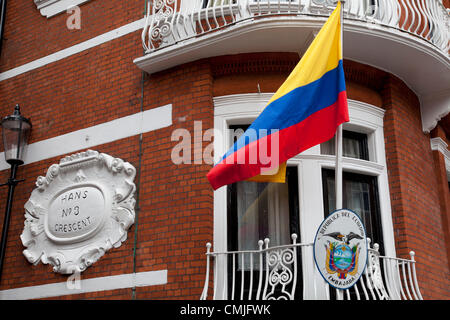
x,y
82,208
43,182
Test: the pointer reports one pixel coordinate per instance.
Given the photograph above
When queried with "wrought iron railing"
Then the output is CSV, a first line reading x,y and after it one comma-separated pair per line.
x,y
172,21
273,273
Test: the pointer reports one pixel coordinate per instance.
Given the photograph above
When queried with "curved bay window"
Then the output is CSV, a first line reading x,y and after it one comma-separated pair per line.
x,y
254,211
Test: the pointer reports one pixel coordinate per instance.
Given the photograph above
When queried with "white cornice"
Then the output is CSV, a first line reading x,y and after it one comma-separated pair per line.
x,y
440,145
434,107
437,144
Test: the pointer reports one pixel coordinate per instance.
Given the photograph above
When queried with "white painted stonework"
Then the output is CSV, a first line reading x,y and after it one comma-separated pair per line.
x,y
50,8
121,281
437,144
90,137
83,207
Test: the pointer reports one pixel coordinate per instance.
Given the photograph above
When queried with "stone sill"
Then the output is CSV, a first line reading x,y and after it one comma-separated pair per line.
x,y
50,8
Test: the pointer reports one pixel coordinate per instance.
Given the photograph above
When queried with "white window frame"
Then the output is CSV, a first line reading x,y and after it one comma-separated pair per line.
x,y
50,8
365,118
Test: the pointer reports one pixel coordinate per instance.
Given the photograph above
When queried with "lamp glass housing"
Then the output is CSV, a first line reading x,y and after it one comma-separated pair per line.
x,y
16,131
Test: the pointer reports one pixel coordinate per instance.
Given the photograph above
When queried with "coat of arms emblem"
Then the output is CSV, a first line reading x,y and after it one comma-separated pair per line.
x,y
340,248
341,257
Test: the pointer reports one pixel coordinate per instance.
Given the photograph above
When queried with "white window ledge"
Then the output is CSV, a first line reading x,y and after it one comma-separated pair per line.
x,y
76,285
50,8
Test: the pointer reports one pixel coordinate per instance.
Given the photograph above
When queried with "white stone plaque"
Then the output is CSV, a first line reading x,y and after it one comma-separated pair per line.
x,y
83,207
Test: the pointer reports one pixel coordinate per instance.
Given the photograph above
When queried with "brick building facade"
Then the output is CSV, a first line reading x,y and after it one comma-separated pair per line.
x,y
66,80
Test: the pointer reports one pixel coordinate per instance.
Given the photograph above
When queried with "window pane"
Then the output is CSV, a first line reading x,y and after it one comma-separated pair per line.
x,y
352,148
262,212
331,198
360,195
257,211
354,145
358,200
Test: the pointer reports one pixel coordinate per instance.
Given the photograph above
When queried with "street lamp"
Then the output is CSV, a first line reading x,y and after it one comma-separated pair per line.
x,y
15,131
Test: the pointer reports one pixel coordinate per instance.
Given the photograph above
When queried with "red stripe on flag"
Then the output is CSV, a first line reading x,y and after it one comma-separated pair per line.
x,y
317,128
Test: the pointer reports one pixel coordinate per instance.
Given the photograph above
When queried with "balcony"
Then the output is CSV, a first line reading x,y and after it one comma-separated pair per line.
x,y
271,273
408,38
167,24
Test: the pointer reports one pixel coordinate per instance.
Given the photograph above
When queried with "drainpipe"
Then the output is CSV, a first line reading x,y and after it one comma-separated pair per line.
x,y
2,23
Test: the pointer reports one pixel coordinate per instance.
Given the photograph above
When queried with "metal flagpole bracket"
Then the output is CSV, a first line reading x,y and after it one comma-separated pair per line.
x,y
10,182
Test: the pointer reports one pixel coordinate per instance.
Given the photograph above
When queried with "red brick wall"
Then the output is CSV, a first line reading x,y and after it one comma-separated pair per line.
x,y
29,36
86,89
442,186
175,209
414,197
174,221
243,73
89,88
177,200
439,131
17,271
175,217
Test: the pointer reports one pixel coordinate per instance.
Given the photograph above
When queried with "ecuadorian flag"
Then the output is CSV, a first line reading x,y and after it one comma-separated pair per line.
x,y
304,112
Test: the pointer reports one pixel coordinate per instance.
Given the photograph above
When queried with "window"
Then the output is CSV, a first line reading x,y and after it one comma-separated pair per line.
x,y
360,194
261,210
309,189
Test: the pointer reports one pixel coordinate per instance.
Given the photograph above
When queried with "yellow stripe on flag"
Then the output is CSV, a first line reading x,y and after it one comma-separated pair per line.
x,y
322,56
277,175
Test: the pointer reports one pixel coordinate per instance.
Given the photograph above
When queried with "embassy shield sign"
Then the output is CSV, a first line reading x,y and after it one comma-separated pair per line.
x,y
340,248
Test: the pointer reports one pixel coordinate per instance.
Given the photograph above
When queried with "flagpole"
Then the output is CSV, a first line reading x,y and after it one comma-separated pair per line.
x,y
338,142
339,149
338,169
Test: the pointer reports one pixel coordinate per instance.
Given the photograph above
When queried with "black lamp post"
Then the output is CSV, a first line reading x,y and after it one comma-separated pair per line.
x,y
15,130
